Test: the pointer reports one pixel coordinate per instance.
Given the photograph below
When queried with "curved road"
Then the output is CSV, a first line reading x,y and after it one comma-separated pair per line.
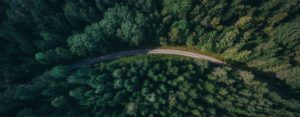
x,y
146,51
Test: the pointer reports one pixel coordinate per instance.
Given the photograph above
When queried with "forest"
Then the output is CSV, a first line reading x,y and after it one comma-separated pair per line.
x,y
40,39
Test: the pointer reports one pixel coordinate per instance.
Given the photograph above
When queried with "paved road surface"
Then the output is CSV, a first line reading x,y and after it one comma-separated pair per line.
x,y
145,51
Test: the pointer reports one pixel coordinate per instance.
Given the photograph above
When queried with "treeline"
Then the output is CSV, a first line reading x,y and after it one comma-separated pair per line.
x,y
147,86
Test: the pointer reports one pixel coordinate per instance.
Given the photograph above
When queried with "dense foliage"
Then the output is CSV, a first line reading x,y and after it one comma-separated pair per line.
x,y
259,36
148,86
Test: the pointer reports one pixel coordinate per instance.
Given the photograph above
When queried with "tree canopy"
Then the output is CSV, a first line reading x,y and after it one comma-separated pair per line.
x,y
40,39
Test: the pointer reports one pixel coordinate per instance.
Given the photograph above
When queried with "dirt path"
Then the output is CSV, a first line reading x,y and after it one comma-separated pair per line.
x,y
145,51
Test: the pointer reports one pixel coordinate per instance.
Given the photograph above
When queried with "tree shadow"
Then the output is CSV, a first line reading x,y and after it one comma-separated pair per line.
x,y
273,82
